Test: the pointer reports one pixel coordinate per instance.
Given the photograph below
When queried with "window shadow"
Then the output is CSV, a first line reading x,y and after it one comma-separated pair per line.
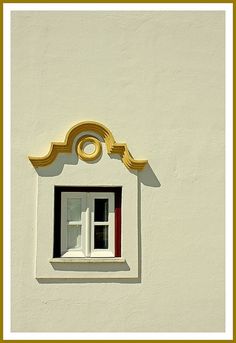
x,y
88,280
96,267
148,178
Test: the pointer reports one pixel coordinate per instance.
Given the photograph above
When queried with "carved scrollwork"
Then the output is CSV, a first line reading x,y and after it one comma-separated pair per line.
x,y
66,147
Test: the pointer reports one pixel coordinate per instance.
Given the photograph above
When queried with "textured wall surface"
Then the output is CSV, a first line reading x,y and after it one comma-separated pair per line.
x,y
156,80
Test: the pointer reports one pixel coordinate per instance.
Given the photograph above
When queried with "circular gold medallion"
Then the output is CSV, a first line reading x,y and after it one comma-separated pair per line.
x,y
89,156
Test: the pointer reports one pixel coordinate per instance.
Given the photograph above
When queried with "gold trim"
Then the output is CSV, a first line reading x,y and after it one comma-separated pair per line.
x,y
94,155
101,130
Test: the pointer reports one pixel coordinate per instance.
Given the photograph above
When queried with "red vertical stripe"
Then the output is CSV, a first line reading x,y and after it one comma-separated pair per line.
x,y
117,224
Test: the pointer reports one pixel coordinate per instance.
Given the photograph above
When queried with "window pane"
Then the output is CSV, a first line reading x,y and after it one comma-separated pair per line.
x,y
101,237
101,210
73,236
73,209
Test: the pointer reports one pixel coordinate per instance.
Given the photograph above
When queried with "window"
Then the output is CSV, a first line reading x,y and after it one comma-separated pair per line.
x,y
87,221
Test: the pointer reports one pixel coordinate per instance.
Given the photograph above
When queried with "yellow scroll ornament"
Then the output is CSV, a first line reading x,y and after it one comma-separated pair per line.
x,y
66,147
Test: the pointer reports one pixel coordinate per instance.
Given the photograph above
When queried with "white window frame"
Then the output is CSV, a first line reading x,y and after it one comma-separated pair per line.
x,y
87,224
65,252
110,252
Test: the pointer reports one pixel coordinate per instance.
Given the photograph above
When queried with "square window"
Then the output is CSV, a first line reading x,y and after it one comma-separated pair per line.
x,y
87,221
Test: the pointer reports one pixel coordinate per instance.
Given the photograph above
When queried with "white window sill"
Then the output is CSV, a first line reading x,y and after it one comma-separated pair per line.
x,y
87,260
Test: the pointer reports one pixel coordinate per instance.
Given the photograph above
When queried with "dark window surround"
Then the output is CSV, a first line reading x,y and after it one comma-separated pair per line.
x,y
57,213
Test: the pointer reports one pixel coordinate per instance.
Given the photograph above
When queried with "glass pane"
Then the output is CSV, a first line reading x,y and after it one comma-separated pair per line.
x,y
73,236
101,237
73,209
101,210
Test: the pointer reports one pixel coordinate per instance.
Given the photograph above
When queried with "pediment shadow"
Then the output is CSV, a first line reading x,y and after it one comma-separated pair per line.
x,y
146,176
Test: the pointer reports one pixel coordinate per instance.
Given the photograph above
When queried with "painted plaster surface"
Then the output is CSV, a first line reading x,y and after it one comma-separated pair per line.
x,y
156,79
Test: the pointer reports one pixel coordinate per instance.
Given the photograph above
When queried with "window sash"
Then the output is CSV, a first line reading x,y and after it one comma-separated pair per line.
x,y
65,224
110,252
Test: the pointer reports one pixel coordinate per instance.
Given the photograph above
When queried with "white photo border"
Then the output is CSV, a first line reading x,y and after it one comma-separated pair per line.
x,y
228,8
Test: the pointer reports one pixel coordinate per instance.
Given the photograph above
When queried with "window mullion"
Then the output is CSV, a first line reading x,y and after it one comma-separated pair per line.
x,y
88,226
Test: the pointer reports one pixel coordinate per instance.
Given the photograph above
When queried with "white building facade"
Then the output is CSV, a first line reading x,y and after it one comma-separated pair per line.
x,y
129,235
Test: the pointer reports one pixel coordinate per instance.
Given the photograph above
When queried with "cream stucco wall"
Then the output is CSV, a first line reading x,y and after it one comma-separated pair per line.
x,y
156,80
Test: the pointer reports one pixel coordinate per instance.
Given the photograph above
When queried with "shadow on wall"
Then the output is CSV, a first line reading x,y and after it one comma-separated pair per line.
x,y
56,168
145,177
97,267
148,178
